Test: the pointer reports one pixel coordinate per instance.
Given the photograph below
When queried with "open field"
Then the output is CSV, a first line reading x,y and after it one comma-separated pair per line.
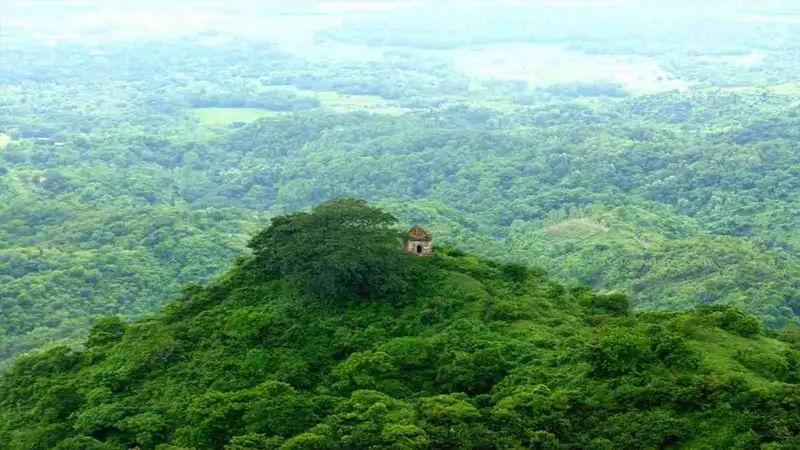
x,y
333,101
4,140
785,89
351,103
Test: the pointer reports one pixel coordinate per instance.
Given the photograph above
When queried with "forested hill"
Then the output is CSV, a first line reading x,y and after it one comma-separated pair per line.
x,y
646,150
663,197
329,337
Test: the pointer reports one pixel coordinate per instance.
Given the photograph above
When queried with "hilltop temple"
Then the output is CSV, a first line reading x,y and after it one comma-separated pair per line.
x,y
418,242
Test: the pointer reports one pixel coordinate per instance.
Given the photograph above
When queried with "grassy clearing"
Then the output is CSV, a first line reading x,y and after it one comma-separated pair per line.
x,y
575,227
226,116
4,140
786,89
719,349
332,101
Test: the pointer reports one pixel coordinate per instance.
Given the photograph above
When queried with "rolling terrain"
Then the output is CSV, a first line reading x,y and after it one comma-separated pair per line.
x,y
139,152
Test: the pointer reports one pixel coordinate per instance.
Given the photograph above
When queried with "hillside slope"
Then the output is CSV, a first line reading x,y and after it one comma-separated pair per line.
x,y
681,215
327,337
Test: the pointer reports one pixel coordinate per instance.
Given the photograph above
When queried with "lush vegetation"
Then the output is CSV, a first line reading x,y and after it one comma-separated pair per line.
x,y
636,155
452,352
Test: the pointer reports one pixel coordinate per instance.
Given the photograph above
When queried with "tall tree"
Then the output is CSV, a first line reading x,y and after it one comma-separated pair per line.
x,y
341,248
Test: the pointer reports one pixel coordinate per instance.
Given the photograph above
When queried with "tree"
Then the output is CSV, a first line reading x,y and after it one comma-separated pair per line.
x,y
615,303
107,330
342,248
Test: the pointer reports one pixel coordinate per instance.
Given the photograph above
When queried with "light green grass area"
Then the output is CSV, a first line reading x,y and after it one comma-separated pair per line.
x,y
542,65
786,89
351,103
4,140
574,228
727,352
226,116
332,101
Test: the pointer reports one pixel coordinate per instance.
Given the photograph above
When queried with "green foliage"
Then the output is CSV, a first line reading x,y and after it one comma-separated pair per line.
x,y
341,248
619,351
451,421
254,441
242,364
672,349
733,320
108,330
515,272
615,303
132,166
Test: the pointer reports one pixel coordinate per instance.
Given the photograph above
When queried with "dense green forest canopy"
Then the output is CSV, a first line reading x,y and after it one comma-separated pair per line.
x,y
645,149
460,353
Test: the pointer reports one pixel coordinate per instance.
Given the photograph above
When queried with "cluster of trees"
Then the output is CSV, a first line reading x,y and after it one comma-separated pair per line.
x,y
339,249
65,270
275,100
478,354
